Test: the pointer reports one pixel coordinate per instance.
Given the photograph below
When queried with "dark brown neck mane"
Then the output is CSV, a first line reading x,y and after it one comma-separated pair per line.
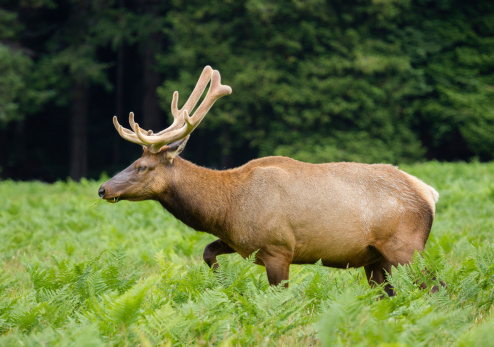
x,y
199,197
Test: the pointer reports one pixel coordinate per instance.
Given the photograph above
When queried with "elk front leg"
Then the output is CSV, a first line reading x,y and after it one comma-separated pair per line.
x,y
214,249
277,269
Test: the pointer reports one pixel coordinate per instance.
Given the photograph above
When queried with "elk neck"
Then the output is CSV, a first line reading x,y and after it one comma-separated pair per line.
x,y
199,197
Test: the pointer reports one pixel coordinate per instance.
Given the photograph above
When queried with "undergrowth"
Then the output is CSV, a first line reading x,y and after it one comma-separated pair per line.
x,y
75,273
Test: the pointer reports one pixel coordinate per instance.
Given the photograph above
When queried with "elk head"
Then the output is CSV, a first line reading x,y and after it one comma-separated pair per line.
x,y
150,174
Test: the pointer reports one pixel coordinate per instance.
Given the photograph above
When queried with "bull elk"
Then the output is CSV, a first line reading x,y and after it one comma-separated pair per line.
x,y
290,212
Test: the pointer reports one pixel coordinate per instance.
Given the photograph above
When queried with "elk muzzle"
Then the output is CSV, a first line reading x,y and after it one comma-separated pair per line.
x,y
129,184
106,193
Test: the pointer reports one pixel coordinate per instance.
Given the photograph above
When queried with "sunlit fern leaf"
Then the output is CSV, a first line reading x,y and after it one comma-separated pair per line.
x,y
114,311
234,273
214,300
26,313
116,257
41,278
95,284
66,273
157,324
74,334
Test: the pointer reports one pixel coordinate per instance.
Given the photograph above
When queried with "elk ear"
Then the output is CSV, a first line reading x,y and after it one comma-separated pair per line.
x,y
173,149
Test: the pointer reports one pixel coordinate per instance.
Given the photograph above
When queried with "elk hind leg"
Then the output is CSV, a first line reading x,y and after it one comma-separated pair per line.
x,y
376,275
432,277
214,249
399,252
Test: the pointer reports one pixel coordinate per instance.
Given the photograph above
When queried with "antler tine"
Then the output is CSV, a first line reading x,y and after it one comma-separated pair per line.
x,y
182,124
125,130
196,94
216,91
178,119
132,124
175,110
191,102
126,133
154,142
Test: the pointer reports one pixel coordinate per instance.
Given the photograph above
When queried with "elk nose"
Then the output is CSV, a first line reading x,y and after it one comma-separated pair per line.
x,y
101,192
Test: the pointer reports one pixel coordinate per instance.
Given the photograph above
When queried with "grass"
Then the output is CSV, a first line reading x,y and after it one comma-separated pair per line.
x,y
80,273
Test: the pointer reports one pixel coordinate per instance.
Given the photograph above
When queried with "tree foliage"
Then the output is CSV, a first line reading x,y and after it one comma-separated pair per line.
x,y
330,80
372,81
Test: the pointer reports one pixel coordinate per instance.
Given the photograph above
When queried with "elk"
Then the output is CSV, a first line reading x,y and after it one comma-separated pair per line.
x,y
289,212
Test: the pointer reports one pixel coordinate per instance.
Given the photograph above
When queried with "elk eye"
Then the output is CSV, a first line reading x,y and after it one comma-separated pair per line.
x,y
141,168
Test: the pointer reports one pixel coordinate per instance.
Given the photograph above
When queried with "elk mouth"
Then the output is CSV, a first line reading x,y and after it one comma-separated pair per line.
x,y
112,200
105,195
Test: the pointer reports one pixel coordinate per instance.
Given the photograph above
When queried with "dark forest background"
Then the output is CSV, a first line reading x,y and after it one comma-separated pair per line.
x,y
372,81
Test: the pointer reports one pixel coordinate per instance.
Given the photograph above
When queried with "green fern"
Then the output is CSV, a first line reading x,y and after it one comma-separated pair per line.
x,y
67,281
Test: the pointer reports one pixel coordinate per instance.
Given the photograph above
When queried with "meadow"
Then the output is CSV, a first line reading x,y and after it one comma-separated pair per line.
x,y
76,271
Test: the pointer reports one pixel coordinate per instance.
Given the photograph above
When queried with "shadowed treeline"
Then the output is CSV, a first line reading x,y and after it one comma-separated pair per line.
x,y
373,81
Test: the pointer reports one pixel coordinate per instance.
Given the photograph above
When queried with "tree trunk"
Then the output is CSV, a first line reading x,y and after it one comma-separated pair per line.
x,y
152,116
78,134
119,99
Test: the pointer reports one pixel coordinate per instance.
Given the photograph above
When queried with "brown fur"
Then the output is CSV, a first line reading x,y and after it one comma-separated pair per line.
x,y
346,214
